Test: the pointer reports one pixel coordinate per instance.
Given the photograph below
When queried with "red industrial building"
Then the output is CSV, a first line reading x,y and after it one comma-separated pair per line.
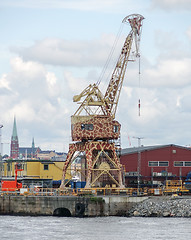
x,y
156,164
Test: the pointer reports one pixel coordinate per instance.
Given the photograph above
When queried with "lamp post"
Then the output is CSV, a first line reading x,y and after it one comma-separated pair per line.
x,y
138,164
1,163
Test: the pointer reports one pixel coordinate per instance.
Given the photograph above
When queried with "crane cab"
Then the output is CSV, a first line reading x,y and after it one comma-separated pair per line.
x,y
99,127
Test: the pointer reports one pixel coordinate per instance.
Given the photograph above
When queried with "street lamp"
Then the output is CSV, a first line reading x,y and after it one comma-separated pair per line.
x,y
139,164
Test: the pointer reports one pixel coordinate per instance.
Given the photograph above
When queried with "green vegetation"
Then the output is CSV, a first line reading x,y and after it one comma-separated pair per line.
x,y
97,199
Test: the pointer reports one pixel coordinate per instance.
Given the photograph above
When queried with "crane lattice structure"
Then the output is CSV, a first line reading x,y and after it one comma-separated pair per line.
x,y
93,126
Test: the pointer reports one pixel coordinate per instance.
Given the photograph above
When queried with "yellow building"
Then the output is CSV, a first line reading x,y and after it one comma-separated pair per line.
x,y
35,170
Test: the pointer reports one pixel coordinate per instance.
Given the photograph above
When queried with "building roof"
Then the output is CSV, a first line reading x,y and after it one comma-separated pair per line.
x,y
23,150
61,153
149,148
47,152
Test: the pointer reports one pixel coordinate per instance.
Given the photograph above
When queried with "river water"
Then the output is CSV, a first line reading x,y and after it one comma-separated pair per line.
x,y
99,228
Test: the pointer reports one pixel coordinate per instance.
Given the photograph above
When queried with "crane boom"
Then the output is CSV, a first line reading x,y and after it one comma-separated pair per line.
x,y
114,88
115,84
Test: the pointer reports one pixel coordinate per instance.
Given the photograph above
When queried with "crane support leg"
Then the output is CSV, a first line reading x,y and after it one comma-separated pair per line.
x,y
103,165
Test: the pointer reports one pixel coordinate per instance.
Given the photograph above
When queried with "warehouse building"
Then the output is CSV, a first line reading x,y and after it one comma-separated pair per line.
x,y
35,172
155,164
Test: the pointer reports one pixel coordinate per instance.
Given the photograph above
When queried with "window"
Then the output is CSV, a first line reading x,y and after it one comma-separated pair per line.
x,y
9,167
115,129
158,164
178,164
163,164
188,164
89,127
153,164
182,164
45,166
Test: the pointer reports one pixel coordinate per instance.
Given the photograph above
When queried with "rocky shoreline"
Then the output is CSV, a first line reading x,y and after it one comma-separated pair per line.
x,y
167,206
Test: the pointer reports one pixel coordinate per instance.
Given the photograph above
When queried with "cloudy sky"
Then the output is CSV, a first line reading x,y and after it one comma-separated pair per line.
x,y
50,50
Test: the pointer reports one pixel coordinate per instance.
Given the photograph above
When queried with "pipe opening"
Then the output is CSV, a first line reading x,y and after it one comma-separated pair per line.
x,y
62,212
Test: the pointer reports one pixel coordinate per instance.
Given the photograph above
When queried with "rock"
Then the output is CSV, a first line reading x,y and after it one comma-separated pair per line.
x,y
155,214
136,214
163,207
166,214
179,214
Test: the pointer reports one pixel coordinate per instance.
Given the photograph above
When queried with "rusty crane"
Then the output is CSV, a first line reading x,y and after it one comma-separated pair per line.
x,y
93,126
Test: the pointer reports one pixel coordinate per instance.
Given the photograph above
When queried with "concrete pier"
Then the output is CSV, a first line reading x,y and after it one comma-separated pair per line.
x,y
68,205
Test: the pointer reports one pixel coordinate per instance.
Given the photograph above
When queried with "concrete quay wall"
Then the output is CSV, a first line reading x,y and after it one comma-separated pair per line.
x,y
68,205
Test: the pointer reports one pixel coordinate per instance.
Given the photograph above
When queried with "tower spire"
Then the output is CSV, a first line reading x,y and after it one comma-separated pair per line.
x,y
14,134
33,148
14,142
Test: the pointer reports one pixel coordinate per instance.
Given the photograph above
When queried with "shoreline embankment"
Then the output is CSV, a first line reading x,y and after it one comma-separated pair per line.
x,y
75,206
163,206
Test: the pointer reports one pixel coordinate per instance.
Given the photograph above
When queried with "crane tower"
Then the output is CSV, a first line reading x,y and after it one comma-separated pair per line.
x,y
93,126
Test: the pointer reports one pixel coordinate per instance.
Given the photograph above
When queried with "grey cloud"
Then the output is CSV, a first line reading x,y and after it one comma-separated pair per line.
x,y
5,91
68,53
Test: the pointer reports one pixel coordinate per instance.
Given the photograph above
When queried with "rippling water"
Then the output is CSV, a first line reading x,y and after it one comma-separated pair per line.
x,y
101,228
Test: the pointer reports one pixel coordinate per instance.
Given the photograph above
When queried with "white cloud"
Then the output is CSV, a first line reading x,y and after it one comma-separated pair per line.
x,y
83,5
28,69
172,4
53,86
171,68
189,32
4,84
170,73
23,110
42,81
161,118
34,98
128,91
74,83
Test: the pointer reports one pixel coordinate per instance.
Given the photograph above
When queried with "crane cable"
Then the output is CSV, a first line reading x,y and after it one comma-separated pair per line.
x,y
139,101
110,55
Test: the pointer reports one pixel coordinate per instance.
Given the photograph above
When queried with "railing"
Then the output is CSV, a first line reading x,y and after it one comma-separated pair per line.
x,y
107,191
39,191
36,191
72,192
68,191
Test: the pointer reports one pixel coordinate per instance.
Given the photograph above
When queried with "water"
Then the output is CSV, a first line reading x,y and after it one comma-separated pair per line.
x,y
101,228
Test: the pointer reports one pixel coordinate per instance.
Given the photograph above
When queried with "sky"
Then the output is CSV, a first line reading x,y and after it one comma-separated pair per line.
x,y
50,50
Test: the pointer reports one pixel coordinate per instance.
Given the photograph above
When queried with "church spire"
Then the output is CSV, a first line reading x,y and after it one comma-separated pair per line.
x,y
33,148
14,134
14,142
